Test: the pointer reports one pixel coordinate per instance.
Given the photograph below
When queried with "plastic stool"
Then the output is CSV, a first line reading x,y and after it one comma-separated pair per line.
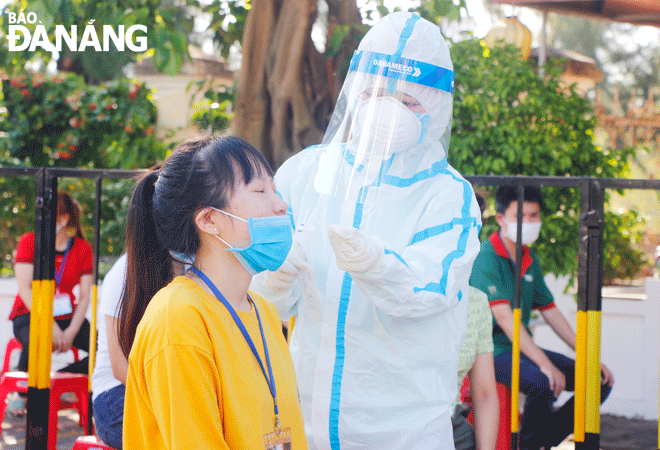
x,y
504,428
14,344
90,443
60,382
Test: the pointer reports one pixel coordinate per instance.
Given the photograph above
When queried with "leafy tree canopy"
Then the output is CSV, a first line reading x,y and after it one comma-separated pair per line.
x,y
168,23
510,121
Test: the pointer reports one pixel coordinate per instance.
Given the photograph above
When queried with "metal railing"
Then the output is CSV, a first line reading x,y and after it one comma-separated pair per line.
x,y
43,291
589,295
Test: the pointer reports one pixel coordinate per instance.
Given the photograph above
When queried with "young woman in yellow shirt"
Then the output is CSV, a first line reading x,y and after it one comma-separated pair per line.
x,y
208,364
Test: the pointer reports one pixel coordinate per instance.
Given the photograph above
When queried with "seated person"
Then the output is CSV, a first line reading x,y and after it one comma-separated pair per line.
x,y
73,266
111,366
476,360
543,374
109,377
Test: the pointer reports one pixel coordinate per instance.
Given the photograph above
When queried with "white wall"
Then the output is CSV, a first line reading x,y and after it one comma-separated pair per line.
x,y
630,343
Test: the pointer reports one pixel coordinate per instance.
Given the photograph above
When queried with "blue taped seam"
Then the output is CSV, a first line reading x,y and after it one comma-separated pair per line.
x,y
340,357
437,168
405,34
340,350
403,39
397,256
439,229
467,222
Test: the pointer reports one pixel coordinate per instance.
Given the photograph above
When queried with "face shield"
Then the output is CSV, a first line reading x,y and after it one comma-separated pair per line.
x,y
393,114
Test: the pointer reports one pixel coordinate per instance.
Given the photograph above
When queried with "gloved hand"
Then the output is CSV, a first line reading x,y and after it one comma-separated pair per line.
x,y
283,278
355,251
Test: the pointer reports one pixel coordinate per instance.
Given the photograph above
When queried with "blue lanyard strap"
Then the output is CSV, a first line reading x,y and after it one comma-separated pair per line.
x,y
239,323
59,273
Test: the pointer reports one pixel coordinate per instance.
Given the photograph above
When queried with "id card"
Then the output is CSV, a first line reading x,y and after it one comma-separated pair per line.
x,y
278,440
61,304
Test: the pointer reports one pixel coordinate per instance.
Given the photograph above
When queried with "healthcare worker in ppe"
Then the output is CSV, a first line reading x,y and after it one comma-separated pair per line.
x,y
386,232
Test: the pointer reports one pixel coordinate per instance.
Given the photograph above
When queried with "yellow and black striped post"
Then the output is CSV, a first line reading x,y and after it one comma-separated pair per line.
x,y
587,358
515,347
41,313
92,328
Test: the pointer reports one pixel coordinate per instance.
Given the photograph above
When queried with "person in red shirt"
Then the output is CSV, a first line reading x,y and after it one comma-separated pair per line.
x,y
73,265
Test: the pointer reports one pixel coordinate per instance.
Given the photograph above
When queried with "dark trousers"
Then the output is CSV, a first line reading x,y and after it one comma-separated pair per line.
x,y
541,425
109,415
81,341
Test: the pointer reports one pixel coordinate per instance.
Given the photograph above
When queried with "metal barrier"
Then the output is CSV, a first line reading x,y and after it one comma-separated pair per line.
x,y
587,363
43,290
590,271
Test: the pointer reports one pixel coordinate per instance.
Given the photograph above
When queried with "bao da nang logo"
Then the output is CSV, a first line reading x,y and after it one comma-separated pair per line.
x,y
20,38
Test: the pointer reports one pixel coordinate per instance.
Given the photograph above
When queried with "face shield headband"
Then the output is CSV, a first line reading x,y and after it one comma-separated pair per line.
x,y
397,68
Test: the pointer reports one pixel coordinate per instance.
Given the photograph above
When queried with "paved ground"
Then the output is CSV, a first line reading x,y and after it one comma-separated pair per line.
x,y
13,431
617,433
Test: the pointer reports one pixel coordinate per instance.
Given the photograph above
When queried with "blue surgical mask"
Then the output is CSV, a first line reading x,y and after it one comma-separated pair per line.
x,y
271,239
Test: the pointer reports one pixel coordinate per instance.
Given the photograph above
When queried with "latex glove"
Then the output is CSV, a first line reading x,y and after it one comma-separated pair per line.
x,y
283,278
355,251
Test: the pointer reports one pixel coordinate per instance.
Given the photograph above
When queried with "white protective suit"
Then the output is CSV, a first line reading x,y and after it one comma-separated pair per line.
x,y
375,349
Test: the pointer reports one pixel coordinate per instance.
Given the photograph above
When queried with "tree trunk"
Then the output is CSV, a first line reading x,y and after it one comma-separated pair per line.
x,y
284,100
251,104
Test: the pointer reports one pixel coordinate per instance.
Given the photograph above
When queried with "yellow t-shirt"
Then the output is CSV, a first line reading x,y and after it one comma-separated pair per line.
x,y
194,383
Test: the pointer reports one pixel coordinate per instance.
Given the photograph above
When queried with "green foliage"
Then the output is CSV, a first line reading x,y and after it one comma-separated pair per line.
x,y
168,24
509,121
623,234
60,121
213,112
17,213
345,37
227,22
434,10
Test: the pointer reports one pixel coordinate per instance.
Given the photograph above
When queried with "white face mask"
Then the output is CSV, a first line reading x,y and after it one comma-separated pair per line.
x,y
530,231
385,124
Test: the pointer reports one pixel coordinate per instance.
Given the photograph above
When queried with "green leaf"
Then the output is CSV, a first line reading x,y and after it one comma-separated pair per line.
x,y
52,6
44,16
336,39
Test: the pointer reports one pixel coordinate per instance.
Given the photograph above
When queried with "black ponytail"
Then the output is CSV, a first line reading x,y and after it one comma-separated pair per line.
x,y
148,265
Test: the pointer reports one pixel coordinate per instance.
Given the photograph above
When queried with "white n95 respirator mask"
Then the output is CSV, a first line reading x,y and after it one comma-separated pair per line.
x,y
386,125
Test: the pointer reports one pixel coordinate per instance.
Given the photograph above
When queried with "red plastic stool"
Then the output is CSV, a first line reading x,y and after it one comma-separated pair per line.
x,y
14,344
90,443
60,382
504,428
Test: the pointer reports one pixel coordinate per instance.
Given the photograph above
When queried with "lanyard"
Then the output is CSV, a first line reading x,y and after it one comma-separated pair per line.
x,y
270,380
59,273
